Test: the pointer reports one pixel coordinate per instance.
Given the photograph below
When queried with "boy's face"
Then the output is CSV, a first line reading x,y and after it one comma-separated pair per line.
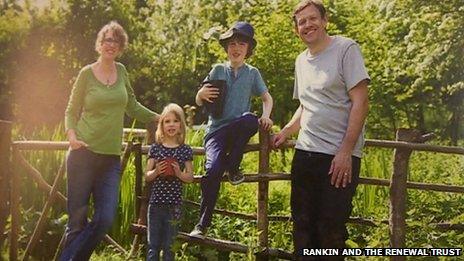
x,y
237,50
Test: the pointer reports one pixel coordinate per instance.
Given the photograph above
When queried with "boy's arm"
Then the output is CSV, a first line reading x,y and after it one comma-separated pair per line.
x,y
198,100
267,104
265,119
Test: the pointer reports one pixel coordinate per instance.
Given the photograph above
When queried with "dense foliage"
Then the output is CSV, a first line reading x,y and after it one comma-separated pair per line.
x,y
413,50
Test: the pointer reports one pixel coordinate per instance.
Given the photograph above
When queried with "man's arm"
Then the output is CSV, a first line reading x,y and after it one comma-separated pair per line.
x,y
341,164
292,126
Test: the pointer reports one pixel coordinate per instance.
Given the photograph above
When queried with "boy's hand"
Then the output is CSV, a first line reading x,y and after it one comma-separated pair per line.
x,y
265,122
208,93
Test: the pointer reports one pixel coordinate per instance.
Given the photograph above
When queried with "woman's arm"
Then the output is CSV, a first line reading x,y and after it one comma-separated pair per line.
x,y
73,110
133,108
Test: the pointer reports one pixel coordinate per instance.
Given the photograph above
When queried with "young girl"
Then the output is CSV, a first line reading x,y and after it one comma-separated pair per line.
x,y
169,164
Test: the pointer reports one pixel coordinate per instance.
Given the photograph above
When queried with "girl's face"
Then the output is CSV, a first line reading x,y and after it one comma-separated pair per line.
x,y
171,125
237,51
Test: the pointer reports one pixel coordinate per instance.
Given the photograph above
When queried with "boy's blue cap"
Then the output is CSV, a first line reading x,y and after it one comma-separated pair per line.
x,y
240,28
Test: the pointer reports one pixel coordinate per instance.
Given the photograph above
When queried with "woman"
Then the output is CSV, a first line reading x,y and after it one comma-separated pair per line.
x,y
94,126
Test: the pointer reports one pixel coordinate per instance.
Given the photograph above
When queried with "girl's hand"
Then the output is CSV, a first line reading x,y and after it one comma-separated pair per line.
x,y
175,165
265,122
160,168
76,144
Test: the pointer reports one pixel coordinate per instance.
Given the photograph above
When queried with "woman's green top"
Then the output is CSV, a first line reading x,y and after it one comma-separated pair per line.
x,y
96,111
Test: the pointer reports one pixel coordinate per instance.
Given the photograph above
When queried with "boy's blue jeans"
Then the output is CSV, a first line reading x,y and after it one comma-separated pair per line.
x,y
162,230
224,151
89,173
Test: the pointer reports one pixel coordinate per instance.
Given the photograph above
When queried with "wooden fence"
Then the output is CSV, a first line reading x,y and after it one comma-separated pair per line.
x,y
406,142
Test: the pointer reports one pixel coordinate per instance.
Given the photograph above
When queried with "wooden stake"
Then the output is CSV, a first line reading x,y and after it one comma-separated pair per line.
x,y
14,208
263,194
5,153
398,194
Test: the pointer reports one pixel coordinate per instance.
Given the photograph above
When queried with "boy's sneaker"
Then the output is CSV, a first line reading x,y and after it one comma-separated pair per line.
x,y
198,231
236,178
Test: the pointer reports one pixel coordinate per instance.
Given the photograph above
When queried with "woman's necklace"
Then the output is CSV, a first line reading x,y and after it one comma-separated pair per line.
x,y
108,79
107,76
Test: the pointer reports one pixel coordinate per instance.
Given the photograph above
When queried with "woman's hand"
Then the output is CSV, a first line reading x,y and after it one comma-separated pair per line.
x,y
76,144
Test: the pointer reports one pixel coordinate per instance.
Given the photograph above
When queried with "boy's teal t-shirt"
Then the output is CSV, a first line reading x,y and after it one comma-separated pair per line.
x,y
240,88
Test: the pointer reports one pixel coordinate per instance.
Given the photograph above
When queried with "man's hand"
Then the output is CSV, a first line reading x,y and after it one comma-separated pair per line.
x,y
340,169
278,139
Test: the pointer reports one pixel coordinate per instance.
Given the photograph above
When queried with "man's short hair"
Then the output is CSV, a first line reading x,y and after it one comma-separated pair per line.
x,y
305,3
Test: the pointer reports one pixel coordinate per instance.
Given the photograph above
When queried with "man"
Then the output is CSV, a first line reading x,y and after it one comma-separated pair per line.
x,y
331,85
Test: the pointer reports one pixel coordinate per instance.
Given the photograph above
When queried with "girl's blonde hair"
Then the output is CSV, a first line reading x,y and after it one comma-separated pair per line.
x,y
179,114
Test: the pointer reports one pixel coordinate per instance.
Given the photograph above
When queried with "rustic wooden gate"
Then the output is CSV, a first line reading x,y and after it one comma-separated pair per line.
x,y
407,141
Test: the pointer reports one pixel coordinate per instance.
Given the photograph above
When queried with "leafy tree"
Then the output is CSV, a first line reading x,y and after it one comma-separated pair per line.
x,y
14,25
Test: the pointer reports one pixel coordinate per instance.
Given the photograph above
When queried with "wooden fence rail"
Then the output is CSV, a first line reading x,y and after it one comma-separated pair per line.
x,y
407,142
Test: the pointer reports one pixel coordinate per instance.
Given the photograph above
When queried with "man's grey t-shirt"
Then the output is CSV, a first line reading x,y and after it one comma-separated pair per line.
x,y
322,83
240,89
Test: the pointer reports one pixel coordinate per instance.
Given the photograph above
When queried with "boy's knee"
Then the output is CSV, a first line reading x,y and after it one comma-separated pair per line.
x,y
250,123
214,170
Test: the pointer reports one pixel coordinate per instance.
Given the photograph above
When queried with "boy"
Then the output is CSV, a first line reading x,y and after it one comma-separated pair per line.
x,y
227,134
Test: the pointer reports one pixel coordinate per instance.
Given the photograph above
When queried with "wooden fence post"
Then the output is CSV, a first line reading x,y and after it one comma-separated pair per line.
x,y
5,146
14,207
137,148
263,190
398,193
140,202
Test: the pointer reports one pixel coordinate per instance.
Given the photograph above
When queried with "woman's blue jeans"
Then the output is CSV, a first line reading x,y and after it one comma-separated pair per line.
x,y
96,175
162,230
